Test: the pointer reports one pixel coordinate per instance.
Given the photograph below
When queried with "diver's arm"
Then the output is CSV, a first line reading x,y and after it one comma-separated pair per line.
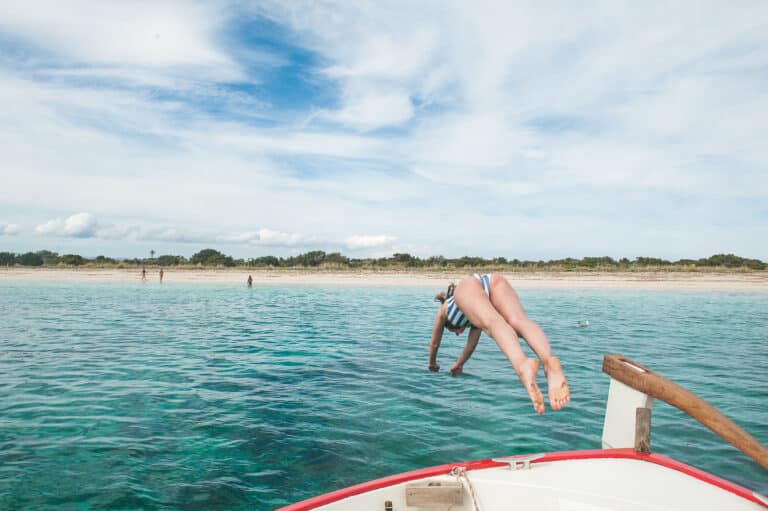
x,y
437,336
472,338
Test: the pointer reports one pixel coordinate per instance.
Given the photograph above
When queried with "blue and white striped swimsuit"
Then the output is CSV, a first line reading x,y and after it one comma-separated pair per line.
x,y
454,314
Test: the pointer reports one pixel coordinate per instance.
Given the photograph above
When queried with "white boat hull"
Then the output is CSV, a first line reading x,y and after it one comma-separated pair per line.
x,y
578,481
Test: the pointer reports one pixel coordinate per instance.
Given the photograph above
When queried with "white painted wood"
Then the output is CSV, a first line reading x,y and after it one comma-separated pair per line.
x,y
572,485
620,423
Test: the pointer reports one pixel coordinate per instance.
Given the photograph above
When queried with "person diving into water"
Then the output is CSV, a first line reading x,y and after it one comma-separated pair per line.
x,y
488,303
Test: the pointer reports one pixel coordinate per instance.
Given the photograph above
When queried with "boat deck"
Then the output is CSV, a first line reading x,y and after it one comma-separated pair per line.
x,y
604,480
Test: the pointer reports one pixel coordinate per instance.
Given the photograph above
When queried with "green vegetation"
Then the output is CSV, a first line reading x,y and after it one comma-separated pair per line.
x,y
335,261
211,257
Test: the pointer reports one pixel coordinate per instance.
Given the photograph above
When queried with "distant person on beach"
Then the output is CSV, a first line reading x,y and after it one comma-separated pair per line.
x,y
487,303
161,275
250,281
143,273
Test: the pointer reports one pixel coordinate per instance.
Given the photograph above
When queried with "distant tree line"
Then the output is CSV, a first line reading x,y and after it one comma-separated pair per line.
x,y
319,259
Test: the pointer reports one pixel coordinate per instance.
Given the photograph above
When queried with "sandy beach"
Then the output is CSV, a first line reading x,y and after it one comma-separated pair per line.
x,y
726,281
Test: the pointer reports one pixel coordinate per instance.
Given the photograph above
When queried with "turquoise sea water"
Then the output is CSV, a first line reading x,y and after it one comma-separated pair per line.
x,y
195,397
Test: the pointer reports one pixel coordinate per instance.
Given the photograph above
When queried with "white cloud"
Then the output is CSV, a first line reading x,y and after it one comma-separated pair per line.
x,y
244,237
172,36
390,63
366,241
268,238
79,225
9,229
272,238
169,234
85,225
374,110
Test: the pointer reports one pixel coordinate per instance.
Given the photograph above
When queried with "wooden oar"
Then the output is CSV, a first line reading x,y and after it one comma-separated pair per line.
x,y
644,380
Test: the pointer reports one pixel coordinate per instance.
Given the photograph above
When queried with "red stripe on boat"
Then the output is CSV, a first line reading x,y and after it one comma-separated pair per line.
x,y
659,459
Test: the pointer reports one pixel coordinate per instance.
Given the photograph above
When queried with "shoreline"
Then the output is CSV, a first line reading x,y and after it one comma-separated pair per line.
x,y
722,281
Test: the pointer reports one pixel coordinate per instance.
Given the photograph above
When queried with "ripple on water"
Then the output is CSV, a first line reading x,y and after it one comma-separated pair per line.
x,y
204,397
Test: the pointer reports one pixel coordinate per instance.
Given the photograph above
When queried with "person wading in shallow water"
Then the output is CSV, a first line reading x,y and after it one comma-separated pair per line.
x,y
487,303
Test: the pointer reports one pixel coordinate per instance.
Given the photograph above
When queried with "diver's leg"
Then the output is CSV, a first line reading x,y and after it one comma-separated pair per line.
x,y
476,306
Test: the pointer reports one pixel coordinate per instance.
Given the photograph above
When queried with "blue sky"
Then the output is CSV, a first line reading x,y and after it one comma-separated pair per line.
x,y
516,129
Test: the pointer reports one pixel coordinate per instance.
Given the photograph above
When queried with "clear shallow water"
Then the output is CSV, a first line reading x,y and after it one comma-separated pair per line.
x,y
227,398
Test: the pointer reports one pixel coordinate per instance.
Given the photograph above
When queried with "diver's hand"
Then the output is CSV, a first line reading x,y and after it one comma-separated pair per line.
x,y
434,367
457,370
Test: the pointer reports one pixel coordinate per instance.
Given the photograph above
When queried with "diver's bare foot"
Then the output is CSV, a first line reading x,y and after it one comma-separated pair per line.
x,y
527,374
559,394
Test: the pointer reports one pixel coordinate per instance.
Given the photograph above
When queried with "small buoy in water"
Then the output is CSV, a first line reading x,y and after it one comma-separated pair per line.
x,y
583,323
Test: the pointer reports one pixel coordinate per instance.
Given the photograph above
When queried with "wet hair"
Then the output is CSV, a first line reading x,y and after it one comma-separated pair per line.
x,y
442,297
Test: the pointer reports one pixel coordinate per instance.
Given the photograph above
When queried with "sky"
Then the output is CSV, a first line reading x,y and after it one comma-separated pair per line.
x,y
529,130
